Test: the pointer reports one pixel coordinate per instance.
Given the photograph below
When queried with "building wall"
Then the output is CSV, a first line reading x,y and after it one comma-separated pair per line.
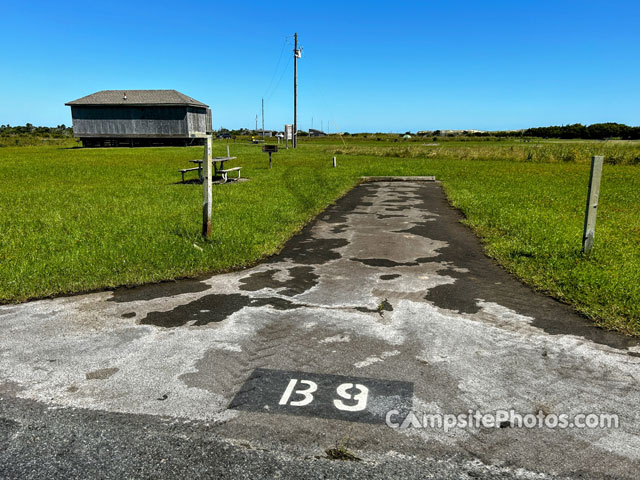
x,y
198,120
138,121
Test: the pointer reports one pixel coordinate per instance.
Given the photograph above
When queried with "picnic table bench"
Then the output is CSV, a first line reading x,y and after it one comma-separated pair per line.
x,y
185,170
216,170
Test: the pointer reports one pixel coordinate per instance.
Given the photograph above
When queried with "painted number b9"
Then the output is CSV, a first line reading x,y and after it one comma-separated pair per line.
x,y
352,397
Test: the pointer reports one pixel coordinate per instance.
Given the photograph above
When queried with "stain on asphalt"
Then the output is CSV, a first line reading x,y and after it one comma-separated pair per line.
x,y
386,263
300,279
102,374
308,250
390,276
159,290
339,213
129,315
212,308
207,309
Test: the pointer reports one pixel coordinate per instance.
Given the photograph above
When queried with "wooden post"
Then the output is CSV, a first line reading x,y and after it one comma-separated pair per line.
x,y
294,140
334,162
269,160
592,203
207,199
228,154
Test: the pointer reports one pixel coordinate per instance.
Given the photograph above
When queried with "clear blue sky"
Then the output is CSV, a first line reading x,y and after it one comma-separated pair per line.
x,y
366,66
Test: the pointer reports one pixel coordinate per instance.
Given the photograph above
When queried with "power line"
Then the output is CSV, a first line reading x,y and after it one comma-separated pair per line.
x,y
275,71
275,89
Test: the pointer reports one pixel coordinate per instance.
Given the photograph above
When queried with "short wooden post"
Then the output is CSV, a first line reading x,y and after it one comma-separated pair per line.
x,y
207,199
334,162
228,154
592,203
269,160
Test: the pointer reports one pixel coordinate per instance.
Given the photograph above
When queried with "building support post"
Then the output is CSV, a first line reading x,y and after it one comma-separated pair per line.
x,y
207,199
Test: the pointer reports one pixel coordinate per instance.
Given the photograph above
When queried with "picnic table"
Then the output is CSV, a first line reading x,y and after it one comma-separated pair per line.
x,y
216,170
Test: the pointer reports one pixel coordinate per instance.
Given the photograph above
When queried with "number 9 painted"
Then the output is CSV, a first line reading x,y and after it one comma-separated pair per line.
x,y
360,397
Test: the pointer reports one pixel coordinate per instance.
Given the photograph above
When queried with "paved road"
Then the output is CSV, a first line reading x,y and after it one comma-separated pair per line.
x,y
382,310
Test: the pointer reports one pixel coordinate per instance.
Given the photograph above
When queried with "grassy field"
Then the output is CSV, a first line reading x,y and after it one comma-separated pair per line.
x,y
75,220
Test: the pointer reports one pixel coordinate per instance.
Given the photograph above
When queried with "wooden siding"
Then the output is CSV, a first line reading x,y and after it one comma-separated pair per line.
x,y
138,121
198,120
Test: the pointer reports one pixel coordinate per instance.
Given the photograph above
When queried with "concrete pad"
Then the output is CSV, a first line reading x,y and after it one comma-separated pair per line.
x,y
385,300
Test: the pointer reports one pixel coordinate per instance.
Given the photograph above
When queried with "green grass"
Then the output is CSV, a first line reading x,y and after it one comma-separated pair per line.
x,y
75,220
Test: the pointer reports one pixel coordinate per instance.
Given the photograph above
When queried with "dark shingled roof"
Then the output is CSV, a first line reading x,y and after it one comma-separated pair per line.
x,y
138,97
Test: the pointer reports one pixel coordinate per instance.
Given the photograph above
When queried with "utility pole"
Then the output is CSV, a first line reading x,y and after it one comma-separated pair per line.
x,y
296,53
263,118
256,123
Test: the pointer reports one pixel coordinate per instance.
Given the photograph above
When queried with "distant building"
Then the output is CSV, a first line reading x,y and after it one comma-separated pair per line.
x,y
316,133
112,118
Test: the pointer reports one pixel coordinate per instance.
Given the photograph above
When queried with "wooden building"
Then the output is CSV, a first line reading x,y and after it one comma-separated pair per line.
x,y
112,118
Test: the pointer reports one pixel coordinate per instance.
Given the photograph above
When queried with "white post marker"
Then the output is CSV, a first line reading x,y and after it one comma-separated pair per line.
x,y
334,162
592,203
207,199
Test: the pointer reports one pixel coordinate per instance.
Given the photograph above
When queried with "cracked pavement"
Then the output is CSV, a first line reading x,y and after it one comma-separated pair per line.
x,y
386,290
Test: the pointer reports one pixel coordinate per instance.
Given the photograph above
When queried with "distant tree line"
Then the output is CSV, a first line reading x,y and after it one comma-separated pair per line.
x,y
57,132
31,135
597,131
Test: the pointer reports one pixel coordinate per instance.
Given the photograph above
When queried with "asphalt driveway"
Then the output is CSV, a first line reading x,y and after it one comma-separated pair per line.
x,y
382,310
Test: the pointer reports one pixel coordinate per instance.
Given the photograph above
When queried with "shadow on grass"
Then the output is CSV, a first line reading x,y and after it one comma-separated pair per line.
x,y
193,181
